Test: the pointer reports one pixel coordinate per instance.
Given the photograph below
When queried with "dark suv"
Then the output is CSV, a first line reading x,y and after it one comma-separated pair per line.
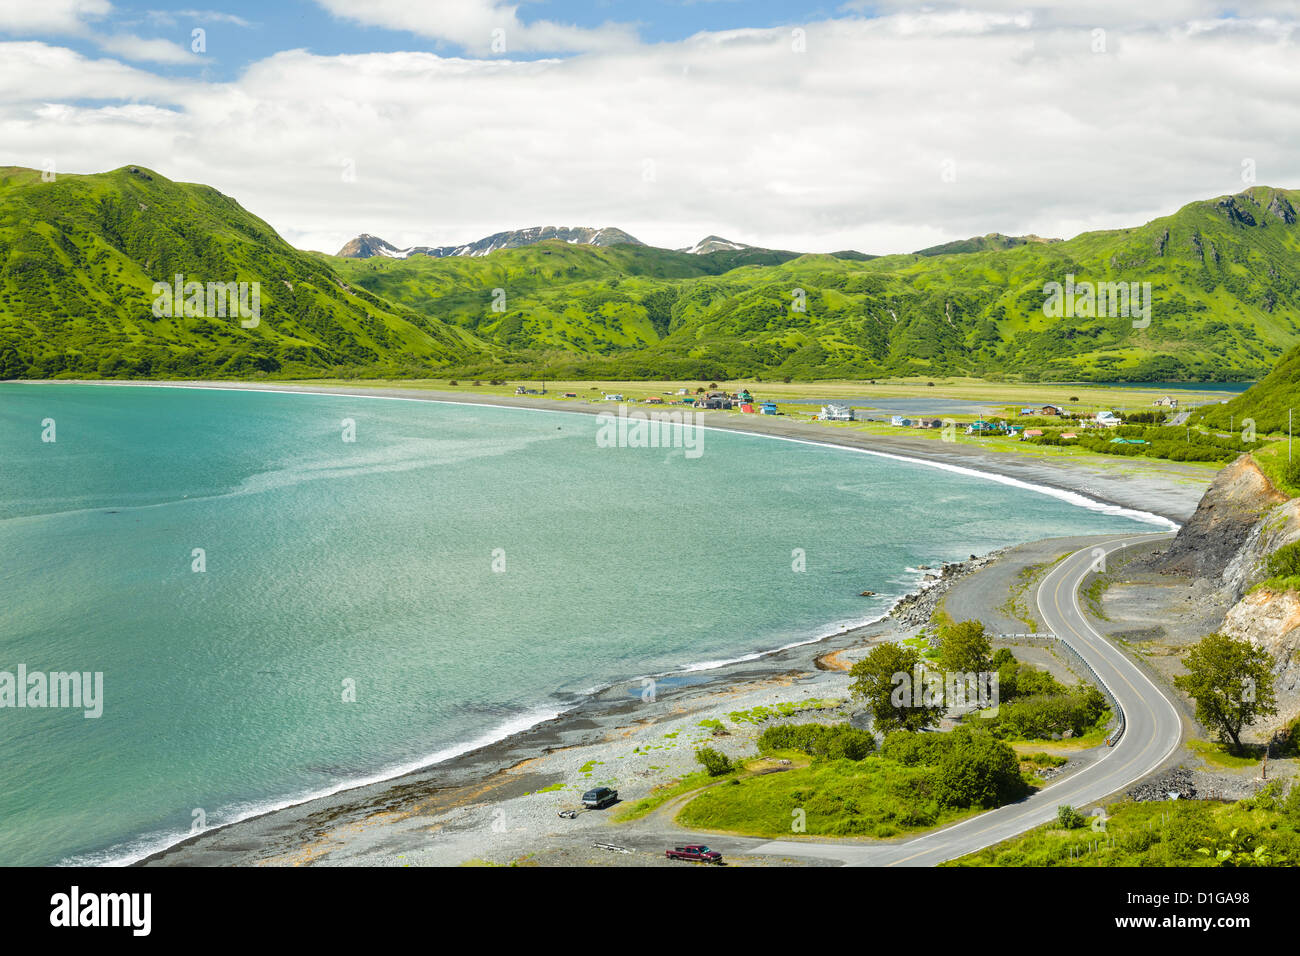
x,y
599,798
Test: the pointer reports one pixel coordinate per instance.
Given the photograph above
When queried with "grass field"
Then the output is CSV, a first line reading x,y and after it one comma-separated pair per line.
x,y
1262,831
1003,401
1080,397
872,797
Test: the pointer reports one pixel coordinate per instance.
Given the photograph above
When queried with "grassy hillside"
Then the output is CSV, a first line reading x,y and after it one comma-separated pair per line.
x,y
79,257
1267,401
1225,303
994,240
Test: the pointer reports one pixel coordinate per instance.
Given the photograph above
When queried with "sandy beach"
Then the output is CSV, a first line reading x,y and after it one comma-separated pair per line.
x,y
500,803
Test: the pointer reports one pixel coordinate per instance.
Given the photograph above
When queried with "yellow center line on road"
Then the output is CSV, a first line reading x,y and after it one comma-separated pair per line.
x,y
1142,750
1062,574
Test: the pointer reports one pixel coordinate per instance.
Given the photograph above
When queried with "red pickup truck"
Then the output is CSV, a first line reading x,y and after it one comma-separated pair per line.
x,y
694,851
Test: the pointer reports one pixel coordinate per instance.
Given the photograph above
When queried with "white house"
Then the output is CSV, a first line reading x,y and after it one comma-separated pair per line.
x,y
1108,419
836,413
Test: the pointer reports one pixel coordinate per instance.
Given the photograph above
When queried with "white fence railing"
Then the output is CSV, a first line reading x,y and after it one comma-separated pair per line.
x,y
1056,642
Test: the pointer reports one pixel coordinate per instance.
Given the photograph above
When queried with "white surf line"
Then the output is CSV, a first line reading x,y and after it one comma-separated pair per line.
x,y
1075,498
144,846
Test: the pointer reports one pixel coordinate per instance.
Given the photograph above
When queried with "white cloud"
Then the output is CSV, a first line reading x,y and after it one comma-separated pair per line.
x,y
1095,13
173,17
841,146
480,26
30,17
149,50
33,73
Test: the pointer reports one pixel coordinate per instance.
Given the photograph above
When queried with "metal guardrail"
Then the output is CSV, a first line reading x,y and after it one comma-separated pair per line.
x,y
1055,641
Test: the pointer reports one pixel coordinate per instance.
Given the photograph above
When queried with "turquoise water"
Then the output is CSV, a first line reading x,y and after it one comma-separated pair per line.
x,y
372,562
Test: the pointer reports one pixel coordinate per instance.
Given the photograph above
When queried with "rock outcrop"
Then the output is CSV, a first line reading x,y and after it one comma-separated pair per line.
x,y
1241,520
1271,620
1229,512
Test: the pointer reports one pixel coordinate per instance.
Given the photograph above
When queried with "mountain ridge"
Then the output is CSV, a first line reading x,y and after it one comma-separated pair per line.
x,y
366,246
80,256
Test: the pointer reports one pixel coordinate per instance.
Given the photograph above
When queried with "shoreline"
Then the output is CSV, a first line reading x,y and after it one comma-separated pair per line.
x,y
509,744
698,676
1150,487
601,710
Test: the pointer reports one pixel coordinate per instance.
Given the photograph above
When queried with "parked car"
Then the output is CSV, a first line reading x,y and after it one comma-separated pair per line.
x,y
599,798
697,852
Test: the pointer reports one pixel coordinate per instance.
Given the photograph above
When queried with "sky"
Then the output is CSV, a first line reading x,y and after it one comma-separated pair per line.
x,y
878,126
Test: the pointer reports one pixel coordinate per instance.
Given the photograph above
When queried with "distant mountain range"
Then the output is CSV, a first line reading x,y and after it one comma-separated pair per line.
x,y
366,246
80,259
715,244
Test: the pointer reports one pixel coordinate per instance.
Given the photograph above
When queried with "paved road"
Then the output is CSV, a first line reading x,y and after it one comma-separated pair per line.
x,y
1153,729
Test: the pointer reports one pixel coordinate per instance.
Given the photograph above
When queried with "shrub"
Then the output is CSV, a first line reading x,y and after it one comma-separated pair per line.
x,y
978,771
915,749
835,742
1001,657
1020,680
1292,473
1285,561
715,762
1041,715
1290,807
1070,818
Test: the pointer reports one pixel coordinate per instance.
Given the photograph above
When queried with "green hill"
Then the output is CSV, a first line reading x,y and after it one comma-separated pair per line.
x,y
1267,402
79,257
994,240
1224,279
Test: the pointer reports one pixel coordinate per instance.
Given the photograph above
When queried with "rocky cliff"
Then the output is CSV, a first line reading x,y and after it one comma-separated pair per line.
x,y
1241,520
1228,515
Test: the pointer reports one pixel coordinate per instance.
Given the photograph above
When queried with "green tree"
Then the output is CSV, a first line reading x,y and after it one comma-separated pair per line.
x,y
963,646
1232,684
11,364
886,681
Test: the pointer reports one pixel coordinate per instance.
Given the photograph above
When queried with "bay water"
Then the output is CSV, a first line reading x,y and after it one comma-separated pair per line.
x,y
278,611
